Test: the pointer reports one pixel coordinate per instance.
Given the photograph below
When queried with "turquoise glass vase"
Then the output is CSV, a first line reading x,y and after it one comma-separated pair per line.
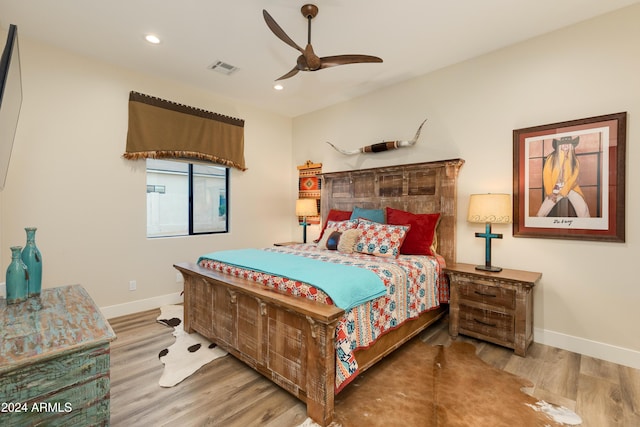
x,y
17,277
33,260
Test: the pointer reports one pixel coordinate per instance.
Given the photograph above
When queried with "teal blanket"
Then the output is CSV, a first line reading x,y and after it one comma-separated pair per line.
x,y
348,286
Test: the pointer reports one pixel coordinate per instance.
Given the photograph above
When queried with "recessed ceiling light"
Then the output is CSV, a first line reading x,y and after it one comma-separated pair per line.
x,y
152,39
278,86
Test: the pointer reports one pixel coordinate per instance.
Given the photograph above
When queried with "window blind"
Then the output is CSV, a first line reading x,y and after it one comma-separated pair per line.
x,y
164,129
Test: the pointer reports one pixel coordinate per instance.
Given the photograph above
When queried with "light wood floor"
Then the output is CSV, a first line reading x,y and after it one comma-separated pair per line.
x,y
227,393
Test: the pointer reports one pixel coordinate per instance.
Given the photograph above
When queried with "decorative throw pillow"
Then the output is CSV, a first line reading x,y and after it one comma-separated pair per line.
x,y
335,215
348,241
375,215
332,240
342,241
322,243
383,240
343,225
421,237
340,226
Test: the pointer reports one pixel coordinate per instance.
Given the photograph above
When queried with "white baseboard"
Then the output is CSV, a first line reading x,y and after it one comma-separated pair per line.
x,y
608,352
140,305
3,289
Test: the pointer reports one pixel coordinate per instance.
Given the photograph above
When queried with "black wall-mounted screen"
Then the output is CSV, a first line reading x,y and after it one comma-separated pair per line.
x,y
10,99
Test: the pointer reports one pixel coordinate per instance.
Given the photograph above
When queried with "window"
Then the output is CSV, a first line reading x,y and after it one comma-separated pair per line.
x,y
185,199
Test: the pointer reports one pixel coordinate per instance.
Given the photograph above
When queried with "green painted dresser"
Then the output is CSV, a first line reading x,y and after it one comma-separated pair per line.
x,y
54,360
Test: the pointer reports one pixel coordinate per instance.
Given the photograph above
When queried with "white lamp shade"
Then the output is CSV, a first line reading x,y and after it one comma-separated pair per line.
x,y
490,208
306,207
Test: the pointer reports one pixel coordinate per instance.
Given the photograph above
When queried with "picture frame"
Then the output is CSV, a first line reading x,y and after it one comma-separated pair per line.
x,y
569,179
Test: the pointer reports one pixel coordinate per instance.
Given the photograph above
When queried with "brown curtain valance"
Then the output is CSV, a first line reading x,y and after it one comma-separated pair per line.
x,y
164,129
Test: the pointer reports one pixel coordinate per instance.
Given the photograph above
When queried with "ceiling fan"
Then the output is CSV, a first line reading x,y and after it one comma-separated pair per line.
x,y
308,60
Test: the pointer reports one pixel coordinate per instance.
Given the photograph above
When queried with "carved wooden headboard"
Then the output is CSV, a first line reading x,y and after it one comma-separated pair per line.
x,y
419,188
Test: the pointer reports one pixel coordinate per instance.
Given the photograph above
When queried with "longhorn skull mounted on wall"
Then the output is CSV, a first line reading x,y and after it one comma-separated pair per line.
x,y
382,146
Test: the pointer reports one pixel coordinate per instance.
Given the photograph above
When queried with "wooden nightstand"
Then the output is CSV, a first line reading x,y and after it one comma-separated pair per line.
x,y
495,307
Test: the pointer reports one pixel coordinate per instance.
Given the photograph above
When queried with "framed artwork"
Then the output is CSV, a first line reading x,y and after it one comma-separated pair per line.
x,y
569,179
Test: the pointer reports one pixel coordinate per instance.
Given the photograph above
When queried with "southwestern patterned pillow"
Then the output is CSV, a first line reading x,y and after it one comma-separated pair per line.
x,y
339,226
383,240
343,225
335,215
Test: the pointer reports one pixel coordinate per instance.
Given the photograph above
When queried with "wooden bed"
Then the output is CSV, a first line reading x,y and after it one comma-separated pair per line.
x,y
290,340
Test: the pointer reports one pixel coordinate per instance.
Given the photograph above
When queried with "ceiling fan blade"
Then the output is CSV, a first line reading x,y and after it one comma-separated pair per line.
x,y
291,73
279,32
332,61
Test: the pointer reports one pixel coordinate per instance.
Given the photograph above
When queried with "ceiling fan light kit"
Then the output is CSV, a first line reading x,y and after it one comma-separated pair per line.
x,y
308,60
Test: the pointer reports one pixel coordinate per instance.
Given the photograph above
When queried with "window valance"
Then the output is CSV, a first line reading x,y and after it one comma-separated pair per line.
x,y
164,129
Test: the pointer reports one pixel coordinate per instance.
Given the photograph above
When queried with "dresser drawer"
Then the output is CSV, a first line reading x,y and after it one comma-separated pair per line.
x,y
486,293
40,379
486,322
85,404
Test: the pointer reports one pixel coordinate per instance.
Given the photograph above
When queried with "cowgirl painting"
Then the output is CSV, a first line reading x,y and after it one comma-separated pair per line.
x,y
560,177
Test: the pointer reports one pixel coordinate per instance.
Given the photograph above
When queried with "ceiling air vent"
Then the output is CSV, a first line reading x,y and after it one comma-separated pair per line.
x,y
223,67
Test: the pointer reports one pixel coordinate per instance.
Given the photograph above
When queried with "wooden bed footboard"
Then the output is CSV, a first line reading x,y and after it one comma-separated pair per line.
x,y
289,340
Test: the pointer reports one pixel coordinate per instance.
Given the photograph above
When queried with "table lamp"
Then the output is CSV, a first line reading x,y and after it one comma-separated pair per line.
x,y
305,208
489,209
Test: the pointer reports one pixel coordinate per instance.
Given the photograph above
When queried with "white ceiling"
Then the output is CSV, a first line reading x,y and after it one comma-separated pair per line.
x,y
413,37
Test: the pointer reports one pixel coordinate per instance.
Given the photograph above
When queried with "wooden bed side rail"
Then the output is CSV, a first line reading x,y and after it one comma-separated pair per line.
x,y
319,312
289,340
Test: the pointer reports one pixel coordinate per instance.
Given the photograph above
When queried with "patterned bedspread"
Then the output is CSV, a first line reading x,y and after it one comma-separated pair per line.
x,y
414,284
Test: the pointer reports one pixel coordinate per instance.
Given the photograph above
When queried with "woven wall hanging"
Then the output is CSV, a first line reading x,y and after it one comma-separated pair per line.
x,y
309,186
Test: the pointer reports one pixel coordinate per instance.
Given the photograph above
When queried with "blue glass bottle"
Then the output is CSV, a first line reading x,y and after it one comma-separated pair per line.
x,y
33,260
17,277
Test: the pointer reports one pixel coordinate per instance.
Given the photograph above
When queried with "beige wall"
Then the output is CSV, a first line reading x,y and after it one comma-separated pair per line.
x,y
588,298
68,179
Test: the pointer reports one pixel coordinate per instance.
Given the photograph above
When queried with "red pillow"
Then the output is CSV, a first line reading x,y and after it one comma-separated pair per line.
x,y
420,236
335,215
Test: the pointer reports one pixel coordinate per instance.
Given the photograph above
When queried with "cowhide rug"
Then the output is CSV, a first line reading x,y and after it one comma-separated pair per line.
x,y
188,354
429,386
